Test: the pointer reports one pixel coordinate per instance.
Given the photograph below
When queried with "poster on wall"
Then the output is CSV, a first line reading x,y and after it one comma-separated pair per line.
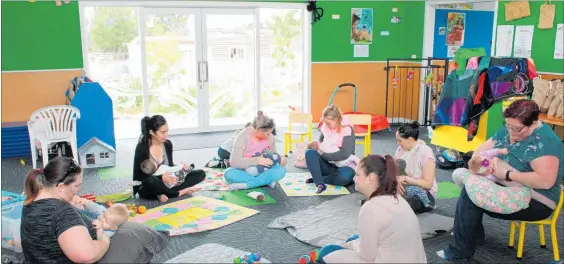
x,y
451,50
362,25
455,29
559,42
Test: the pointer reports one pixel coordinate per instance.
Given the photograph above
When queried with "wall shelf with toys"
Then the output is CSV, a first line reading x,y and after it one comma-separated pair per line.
x,y
95,129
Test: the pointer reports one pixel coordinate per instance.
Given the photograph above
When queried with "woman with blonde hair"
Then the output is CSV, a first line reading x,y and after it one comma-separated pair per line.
x,y
323,166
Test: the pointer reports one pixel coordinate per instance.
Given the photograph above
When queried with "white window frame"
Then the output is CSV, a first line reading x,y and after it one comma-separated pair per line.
x,y
306,35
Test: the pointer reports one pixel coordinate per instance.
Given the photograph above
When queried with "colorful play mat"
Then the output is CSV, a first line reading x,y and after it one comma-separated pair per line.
x,y
294,184
193,215
214,181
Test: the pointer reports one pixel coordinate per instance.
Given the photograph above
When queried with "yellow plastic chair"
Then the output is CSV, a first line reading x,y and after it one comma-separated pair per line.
x,y
297,118
364,120
551,221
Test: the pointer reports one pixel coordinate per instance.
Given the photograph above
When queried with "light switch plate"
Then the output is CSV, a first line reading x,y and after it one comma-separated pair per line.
x,y
336,16
414,56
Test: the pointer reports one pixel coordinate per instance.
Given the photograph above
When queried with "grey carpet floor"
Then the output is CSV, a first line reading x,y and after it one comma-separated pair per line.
x,y
278,246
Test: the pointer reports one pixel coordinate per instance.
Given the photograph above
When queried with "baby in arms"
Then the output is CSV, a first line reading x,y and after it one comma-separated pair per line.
x,y
485,192
149,166
258,169
328,146
110,219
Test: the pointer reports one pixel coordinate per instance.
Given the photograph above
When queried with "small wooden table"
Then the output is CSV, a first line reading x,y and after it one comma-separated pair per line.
x,y
551,120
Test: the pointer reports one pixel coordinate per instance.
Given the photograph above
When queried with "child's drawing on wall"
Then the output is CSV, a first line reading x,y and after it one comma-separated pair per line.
x,y
361,25
455,29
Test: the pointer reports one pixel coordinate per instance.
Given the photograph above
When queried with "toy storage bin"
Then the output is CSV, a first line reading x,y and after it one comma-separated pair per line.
x,y
11,222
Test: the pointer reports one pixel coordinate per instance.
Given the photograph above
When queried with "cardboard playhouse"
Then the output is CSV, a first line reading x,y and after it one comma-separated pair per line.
x,y
95,129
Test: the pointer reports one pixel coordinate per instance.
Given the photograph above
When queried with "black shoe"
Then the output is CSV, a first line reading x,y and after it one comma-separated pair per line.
x,y
362,202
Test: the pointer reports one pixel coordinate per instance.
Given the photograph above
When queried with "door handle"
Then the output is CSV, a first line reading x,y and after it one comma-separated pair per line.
x,y
205,70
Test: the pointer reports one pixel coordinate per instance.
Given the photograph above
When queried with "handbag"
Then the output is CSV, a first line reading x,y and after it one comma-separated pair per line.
x,y
546,17
517,9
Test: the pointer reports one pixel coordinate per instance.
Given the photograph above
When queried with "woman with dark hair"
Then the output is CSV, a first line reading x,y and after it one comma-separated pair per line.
x,y
388,229
419,179
535,152
153,144
52,230
255,138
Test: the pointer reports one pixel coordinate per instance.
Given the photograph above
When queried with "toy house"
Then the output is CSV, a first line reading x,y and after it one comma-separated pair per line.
x,y
96,153
95,129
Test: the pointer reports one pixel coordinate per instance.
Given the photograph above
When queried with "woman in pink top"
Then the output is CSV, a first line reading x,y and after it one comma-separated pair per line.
x,y
255,138
388,228
419,186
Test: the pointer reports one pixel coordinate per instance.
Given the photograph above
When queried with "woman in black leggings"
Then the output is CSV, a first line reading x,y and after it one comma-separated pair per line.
x,y
153,144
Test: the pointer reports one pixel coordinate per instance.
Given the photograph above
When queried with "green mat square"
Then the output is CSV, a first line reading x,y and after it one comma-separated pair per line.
x,y
240,197
448,190
114,173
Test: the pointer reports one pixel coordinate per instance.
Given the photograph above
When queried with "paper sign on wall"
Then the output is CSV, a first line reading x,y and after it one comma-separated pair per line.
x,y
361,51
523,41
384,33
559,42
451,50
504,41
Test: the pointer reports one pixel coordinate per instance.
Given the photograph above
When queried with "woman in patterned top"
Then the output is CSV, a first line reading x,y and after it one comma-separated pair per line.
x,y
535,151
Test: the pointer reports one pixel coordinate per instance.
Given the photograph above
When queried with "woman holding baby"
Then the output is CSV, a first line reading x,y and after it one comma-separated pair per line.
x,y
251,166
52,230
530,154
154,148
417,182
332,159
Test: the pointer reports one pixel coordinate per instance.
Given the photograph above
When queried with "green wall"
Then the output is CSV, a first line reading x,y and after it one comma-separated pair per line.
x,y
543,39
331,37
40,36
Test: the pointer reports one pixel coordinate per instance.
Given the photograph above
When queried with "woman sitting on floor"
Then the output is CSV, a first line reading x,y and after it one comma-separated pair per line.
x,y
535,152
388,229
322,166
153,144
253,139
52,230
418,186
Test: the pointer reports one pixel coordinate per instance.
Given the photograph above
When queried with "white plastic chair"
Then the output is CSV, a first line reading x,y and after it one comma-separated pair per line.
x,y
50,125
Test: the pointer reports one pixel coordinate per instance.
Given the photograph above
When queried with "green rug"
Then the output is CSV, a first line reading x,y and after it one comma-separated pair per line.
x,y
448,190
114,173
240,197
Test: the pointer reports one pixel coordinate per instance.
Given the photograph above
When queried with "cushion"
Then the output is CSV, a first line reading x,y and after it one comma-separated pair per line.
x,y
135,243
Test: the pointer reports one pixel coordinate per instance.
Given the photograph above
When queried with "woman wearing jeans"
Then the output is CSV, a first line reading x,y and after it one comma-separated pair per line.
x,y
322,166
249,141
535,151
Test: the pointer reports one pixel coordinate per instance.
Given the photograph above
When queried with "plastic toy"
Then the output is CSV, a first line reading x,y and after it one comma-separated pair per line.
x,y
410,74
109,203
220,197
310,257
395,80
141,209
248,258
90,197
379,122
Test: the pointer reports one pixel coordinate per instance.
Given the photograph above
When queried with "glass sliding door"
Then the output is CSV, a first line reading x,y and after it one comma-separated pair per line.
x,y
281,62
229,63
171,48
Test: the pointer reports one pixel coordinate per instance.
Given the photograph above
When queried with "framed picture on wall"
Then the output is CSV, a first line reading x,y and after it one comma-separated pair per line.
x,y
455,29
362,25
442,31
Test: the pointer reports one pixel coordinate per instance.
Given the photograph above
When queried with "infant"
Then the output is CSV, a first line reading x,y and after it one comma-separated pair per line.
x,y
412,190
110,219
508,198
258,169
481,163
150,166
327,146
